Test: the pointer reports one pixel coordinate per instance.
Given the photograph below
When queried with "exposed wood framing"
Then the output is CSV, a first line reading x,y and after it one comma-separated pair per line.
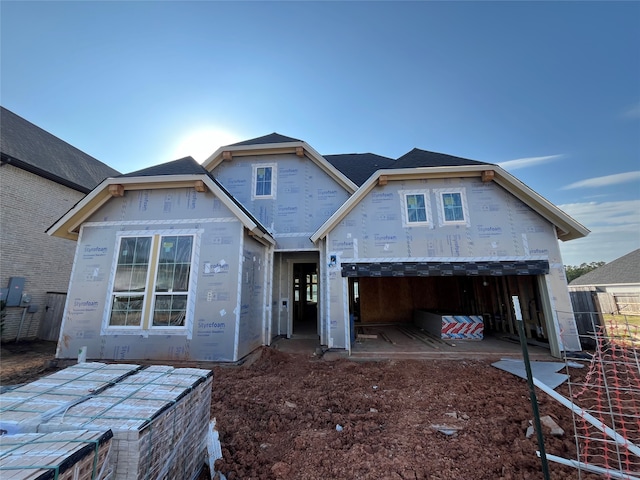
x,y
227,156
487,176
382,180
199,186
300,151
116,190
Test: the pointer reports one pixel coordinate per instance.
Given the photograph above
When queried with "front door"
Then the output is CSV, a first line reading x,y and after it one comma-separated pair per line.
x,y
305,299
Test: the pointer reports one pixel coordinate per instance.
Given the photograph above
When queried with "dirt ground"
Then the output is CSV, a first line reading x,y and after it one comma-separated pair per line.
x,y
296,416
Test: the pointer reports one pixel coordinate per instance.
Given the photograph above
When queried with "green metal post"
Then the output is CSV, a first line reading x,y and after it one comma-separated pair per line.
x,y
532,388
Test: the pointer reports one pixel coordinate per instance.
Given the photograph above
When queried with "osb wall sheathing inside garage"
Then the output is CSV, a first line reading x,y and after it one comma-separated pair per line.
x,y
393,300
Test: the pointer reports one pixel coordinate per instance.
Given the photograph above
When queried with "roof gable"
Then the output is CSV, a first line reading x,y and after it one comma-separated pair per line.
x,y
276,144
623,270
31,148
182,173
567,228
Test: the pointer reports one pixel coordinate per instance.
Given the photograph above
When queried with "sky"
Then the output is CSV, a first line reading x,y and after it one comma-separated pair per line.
x,y
550,91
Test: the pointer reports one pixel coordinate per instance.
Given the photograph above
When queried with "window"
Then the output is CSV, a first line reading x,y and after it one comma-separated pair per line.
x,y
312,287
452,206
415,207
263,181
151,282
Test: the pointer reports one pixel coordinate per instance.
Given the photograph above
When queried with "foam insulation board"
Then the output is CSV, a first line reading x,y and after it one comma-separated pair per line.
x,y
215,315
75,455
159,417
450,327
304,196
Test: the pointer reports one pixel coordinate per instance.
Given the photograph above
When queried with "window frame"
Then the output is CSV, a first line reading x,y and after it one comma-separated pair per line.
x,y
442,221
150,294
406,221
254,181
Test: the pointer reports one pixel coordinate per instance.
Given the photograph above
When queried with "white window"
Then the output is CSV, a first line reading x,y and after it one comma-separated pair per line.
x,y
151,283
264,181
452,206
415,208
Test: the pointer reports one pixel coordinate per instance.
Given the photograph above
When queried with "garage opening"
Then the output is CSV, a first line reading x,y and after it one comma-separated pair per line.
x,y
392,293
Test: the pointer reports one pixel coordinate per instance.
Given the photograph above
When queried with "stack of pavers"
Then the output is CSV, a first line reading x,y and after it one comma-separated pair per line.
x,y
158,415
74,455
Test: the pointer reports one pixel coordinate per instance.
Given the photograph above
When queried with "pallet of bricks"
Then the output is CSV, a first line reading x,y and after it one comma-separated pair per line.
x,y
158,415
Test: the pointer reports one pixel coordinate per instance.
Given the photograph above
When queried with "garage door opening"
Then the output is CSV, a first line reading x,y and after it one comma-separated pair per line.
x,y
394,299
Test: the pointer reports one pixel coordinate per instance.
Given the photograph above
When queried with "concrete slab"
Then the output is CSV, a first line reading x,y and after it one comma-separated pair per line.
x,y
406,341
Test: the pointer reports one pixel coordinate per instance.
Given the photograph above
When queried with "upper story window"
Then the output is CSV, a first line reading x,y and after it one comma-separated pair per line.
x,y
415,208
151,284
452,206
264,181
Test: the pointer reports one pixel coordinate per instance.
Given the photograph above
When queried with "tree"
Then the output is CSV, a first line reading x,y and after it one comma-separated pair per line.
x,y
574,272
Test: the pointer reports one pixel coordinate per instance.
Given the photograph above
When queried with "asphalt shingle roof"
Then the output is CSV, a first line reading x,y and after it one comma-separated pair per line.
x,y
31,148
625,270
271,138
358,167
424,158
182,166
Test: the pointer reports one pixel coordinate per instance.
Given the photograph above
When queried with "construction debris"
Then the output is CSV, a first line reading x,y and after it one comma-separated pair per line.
x,y
554,428
546,372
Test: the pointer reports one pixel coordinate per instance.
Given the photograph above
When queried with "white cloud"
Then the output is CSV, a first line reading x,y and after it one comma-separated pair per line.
x,y
632,112
615,231
593,214
528,161
605,181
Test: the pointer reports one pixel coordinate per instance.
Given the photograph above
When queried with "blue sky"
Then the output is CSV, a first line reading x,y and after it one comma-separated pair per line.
x,y
548,90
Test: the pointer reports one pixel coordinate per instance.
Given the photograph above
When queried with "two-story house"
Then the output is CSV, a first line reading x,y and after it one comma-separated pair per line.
x,y
268,237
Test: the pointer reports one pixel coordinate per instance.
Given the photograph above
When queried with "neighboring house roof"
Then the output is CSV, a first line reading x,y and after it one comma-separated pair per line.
x,y
567,228
624,270
359,166
271,138
185,172
30,148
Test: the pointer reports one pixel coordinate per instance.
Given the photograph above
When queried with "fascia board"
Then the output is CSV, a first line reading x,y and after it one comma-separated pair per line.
x,y
569,228
85,207
245,150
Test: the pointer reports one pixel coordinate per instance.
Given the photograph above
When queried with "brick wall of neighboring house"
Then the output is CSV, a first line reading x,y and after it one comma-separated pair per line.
x,y
29,204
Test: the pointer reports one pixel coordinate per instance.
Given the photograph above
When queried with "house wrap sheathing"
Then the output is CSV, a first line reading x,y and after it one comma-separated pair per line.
x,y
268,237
